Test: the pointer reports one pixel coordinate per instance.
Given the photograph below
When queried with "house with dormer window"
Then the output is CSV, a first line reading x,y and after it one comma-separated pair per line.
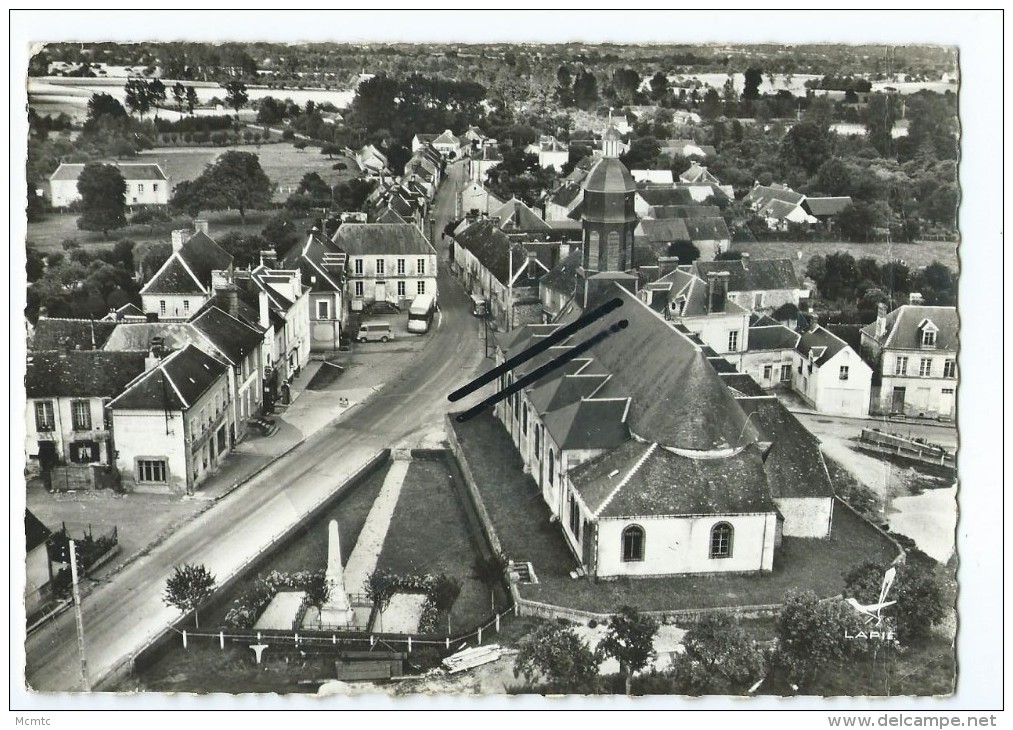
x,y
829,375
914,350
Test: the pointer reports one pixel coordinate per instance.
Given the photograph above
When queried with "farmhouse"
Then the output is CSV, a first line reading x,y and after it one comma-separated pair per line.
x,y
147,184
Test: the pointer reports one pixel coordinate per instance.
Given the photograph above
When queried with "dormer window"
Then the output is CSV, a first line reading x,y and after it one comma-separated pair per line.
x,y
928,338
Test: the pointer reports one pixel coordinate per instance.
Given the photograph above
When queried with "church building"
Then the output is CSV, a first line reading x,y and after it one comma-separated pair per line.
x,y
655,456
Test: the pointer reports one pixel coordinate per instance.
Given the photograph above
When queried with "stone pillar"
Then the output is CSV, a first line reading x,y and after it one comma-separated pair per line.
x,y
337,611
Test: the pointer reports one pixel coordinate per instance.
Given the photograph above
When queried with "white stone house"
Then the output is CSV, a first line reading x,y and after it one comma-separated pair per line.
x,y
172,422
386,262
322,268
915,349
146,183
830,375
183,283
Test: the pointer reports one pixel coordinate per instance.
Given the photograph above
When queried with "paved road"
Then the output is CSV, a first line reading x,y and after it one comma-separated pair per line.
x,y
123,615
845,428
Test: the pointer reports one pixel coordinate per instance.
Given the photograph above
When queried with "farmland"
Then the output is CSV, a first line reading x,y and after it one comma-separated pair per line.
x,y
283,163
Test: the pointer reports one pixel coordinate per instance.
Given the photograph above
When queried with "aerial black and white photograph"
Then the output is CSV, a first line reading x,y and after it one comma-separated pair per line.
x,y
358,369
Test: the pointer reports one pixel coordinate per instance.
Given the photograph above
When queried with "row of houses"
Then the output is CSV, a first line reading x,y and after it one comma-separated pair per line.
x,y
160,394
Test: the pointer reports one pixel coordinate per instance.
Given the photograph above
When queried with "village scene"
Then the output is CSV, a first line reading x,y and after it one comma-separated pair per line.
x,y
491,369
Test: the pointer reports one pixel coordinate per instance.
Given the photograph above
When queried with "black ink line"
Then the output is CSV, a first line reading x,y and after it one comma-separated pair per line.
x,y
541,371
539,347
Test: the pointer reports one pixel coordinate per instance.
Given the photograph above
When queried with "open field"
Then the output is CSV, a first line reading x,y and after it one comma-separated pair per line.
x,y
283,164
915,255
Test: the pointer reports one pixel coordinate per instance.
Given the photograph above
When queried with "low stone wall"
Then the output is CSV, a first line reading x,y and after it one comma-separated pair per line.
x,y
78,477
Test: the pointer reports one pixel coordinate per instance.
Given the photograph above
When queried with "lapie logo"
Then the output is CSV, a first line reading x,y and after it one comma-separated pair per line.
x,y
873,613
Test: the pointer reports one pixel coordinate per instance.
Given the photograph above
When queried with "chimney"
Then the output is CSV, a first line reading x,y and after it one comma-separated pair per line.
x,y
179,238
265,320
269,258
667,264
230,293
200,226
156,351
650,273
717,291
915,298
881,319
745,259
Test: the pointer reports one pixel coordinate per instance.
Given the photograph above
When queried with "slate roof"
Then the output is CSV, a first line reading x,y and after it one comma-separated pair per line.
x,y
130,171
822,207
81,373
741,385
515,215
753,275
825,342
492,247
563,276
654,481
794,464
589,424
680,283
665,196
678,399
127,310
772,337
382,239
321,263
76,334
564,387
36,533
175,384
708,229
762,194
697,173
188,271
233,338
566,194
903,327
666,230
683,211
609,175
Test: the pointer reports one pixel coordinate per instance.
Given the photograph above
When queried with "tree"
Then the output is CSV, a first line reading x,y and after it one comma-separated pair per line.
x,y
585,89
156,93
234,181
937,284
630,639
318,588
659,86
179,96
300,144
444,593
156,255
642,154
859,221
36,205
555,653
244,248
711,107
685,251
833,177
282,234
35,264
191,99
187,198
917,591
811,635
490,571
137,96
754,77
188,587
123,253
806,146
103,198
105,105
379,588
718,657
236,95
330,149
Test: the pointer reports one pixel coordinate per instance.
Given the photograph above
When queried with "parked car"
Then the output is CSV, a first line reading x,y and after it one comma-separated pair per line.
x,y
373,331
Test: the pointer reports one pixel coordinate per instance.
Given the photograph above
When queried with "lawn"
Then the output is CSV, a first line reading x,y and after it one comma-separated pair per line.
x,y
521,521
283,164
307,550
915,255
430,533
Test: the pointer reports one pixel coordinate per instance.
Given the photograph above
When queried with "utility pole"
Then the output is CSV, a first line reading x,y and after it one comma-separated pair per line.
x,y
77,615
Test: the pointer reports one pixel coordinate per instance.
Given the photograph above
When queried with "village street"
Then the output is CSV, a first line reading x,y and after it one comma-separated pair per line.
x,y
125,613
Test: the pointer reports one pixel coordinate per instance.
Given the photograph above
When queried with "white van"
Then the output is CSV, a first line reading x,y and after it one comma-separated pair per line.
x,y
374,330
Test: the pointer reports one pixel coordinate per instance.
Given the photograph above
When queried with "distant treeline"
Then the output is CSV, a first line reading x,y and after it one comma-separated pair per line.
x,y
196,124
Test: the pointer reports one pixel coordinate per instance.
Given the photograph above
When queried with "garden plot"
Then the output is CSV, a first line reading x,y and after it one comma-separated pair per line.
x,y
402,615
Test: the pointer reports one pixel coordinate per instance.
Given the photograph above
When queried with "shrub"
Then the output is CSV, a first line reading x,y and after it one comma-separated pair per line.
x,y
339,166
288,134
